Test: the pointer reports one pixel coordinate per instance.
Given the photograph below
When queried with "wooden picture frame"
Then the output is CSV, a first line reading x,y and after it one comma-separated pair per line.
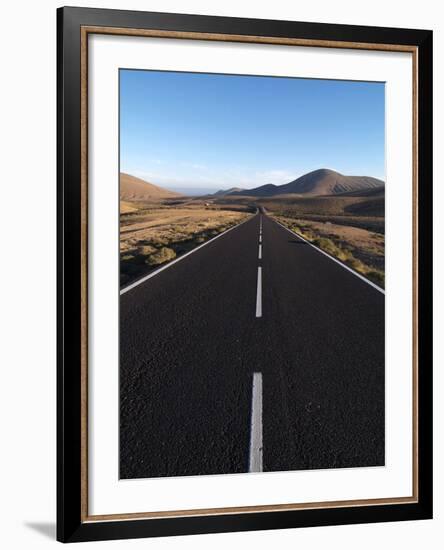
x,y
74,523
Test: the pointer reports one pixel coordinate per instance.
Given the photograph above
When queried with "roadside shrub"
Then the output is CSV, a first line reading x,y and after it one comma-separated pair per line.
x,y
326,244
127,258
377,277
308,235
357,265
303,231
146,250
163,255
344,255
161,241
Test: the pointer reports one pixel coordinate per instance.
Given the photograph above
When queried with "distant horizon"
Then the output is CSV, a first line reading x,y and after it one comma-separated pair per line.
x,y
199,133
197,191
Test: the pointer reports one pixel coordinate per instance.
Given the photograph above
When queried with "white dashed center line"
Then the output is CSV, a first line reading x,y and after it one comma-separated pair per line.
x,y
256,448
259,293
255,459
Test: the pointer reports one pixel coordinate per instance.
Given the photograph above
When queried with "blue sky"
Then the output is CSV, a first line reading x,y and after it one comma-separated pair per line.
x,y
204,132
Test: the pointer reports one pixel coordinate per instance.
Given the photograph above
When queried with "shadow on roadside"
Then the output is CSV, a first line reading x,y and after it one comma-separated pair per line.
x,y
296,241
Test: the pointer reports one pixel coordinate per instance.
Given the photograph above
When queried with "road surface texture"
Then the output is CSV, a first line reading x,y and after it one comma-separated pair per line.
x,y
254,353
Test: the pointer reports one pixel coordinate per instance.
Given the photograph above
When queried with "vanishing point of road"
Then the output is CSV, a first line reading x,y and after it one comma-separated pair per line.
x,y
256,352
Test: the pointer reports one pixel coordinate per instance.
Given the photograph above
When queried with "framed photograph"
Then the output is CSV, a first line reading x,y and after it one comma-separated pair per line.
x,y
245,265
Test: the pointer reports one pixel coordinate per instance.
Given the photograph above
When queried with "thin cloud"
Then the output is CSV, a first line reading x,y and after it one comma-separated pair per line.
x,y
202,176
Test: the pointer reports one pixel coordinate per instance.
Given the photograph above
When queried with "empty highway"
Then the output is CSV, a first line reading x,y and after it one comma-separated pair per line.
x,y
255,352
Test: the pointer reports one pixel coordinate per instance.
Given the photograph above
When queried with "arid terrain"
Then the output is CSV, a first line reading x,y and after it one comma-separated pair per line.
x,y
136,189
157,226
342,215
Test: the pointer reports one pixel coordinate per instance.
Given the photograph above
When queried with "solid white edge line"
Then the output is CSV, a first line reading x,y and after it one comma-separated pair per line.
x,y
260,252
334,259
259,293
154,273
256,448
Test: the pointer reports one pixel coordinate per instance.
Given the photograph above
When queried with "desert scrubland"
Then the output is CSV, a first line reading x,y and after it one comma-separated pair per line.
x,y
156,228
342,215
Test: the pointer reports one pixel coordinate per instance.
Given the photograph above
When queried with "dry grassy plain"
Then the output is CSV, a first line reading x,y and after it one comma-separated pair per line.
x,y
152,234
357,211
157,226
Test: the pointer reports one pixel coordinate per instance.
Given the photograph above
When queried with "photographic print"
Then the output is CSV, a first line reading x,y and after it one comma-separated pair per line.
x,y
252,224
244,274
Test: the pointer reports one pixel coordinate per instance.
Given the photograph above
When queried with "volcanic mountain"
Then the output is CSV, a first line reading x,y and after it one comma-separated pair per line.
x,y
318,182
136,189
222,192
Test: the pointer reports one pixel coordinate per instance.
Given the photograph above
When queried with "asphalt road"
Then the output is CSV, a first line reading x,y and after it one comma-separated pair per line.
x,y
193,338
